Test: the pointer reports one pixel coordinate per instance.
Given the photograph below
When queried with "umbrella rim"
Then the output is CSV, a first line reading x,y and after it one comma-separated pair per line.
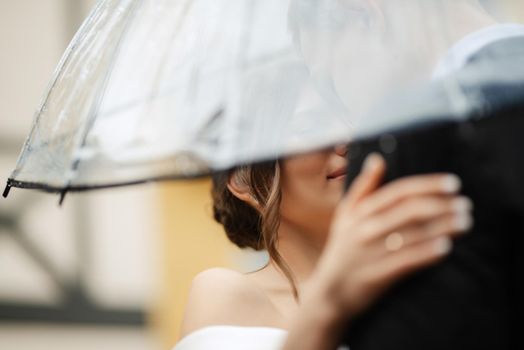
x,y
63,190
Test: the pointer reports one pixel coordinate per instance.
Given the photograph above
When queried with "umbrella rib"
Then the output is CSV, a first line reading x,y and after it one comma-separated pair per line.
x,y
96,104
58,70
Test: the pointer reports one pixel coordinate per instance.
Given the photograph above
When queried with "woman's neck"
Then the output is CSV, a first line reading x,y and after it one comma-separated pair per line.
x,y
300,249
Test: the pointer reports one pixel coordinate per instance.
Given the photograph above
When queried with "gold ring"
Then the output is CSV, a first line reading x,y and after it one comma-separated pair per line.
x,y
394,241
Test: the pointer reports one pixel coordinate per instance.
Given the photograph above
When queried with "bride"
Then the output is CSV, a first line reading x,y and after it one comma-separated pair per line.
x,y
331,254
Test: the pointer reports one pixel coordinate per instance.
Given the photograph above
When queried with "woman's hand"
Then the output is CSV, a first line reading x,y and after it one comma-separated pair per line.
x,y
379,235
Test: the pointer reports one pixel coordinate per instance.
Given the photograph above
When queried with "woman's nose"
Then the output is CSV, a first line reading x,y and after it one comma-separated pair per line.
x,y
341,150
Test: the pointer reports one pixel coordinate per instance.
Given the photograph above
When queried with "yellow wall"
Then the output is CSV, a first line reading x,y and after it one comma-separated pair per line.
x,y
192,242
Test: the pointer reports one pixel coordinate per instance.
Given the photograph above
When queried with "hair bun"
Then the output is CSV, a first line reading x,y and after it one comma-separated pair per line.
x,y
240,221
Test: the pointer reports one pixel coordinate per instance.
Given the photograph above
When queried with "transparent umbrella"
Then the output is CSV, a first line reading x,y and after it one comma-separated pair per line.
x,y
156,89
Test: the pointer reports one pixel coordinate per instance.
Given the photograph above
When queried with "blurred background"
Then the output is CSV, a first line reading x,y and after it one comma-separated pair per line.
x,y
109,269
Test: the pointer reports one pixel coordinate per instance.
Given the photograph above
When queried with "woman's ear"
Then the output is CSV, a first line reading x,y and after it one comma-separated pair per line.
x,y
241,190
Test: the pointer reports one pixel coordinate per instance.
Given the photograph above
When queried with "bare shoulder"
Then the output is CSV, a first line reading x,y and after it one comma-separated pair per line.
x,y
220,296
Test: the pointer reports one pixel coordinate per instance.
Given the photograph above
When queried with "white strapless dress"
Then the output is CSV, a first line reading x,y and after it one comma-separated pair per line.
x,y
234,338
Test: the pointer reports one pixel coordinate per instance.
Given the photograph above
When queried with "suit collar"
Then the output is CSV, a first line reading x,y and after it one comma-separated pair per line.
x,y
459,54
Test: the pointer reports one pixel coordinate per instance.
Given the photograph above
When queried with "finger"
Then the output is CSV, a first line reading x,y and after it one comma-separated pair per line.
x,y
407,187
412,258
414,211
367,181
449,225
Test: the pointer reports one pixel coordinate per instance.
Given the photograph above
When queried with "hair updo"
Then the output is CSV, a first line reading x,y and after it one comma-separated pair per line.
x,y
246,226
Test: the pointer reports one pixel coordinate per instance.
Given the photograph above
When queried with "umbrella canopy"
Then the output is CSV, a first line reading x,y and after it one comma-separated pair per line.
x,y
154,89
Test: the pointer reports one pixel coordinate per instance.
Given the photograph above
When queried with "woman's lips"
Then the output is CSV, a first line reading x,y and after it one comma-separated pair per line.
x,y
337,174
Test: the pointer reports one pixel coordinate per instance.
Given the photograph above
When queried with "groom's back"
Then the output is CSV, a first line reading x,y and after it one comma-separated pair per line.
x,y
473,299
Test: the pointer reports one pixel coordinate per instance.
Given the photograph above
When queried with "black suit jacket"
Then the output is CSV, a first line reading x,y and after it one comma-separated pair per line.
x,y
474,298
